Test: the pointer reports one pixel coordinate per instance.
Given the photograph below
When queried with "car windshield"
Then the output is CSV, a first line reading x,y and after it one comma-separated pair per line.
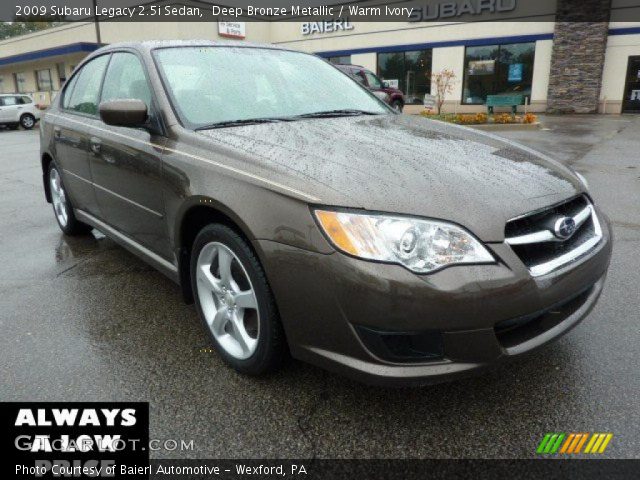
x,y
227,86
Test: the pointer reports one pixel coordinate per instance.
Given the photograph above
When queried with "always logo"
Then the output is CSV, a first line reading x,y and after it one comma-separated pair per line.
x,y
74,416
73,439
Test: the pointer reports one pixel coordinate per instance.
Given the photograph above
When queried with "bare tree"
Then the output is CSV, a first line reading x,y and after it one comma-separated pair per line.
x,y
443,82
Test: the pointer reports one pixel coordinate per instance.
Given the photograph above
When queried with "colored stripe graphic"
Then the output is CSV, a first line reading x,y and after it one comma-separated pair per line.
x,y
598,443
550,443
592,441
543,443
557,444
572,443
567,443
581,443
604,445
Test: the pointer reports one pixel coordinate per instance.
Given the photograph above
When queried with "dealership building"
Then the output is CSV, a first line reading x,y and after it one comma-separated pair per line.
x,y
557,66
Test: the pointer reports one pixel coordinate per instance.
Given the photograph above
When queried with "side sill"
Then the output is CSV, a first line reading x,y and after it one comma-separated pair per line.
x,y
134,247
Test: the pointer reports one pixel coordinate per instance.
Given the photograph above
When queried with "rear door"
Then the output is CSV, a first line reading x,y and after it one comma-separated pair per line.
x,y
127,162
71,132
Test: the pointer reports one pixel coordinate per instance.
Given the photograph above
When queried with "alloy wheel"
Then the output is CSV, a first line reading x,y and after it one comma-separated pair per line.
x,y
228,300
58,198
28,121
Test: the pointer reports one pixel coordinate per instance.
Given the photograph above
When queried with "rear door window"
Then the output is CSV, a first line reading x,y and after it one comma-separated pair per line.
x,y
86,92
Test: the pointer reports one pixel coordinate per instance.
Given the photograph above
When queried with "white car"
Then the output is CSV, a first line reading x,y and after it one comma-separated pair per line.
x,y
18,109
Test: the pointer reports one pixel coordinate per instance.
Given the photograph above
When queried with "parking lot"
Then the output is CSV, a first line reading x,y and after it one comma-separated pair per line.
x,y
84,320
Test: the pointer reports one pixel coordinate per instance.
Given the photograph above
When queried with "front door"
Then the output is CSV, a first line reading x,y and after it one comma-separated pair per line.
x,y
126,163
631,103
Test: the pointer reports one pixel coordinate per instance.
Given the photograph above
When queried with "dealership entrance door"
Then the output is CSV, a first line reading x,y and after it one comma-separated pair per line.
x,y
631,103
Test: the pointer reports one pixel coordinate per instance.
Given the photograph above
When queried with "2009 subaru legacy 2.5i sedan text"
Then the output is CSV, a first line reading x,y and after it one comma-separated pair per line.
x,y
303,215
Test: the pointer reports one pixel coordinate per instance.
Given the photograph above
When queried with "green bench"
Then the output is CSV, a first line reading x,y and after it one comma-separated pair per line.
x,y
504,101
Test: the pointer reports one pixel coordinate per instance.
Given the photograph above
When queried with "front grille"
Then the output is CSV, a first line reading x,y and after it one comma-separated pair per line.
x,y
532,237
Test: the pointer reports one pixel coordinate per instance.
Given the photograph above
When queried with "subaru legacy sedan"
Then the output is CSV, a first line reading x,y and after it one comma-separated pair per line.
x,y
305,217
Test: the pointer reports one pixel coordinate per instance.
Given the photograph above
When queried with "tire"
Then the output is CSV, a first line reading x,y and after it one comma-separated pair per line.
x,y
397,105
62,208
251,340
27,121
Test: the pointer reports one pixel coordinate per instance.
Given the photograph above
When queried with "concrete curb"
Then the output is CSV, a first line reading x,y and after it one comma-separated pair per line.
x,y
494,127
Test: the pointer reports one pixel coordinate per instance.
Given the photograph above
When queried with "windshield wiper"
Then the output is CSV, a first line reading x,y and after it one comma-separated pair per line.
x,y
347,112
248,121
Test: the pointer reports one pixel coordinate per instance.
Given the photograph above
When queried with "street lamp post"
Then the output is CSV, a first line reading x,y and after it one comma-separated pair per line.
x,y
97,23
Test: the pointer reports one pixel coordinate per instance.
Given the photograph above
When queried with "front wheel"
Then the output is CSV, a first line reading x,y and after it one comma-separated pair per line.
x,y
62,208
27,121
234,301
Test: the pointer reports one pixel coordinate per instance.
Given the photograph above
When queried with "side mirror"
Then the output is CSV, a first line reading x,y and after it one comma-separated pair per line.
x,y
124,113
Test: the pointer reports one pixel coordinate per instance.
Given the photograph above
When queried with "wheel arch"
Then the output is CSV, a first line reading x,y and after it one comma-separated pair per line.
x,y
46,159
193,216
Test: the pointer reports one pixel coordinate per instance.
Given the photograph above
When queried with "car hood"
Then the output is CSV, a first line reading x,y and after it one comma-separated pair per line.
x,y
403,164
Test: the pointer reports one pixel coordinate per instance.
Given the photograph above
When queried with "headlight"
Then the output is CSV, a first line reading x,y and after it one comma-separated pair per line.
x,y
420,245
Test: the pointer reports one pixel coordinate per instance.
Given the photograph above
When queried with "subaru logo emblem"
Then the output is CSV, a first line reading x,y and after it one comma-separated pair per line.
x,y
564,228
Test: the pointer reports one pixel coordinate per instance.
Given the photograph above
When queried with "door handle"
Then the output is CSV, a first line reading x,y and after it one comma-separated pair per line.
x,y
95,145
57,132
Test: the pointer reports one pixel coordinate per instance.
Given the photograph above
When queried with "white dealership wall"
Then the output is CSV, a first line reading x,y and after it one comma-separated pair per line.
x,y
363,42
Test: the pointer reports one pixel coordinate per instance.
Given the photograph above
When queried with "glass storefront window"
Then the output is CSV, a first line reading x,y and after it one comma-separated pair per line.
x,y
410,70
20,79
497,69
43,79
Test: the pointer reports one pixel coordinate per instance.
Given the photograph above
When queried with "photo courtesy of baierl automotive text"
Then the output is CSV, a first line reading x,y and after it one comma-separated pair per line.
x,y
320,239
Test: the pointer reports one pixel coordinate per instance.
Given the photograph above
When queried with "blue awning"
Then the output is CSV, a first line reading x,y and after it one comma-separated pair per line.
x,y
49,52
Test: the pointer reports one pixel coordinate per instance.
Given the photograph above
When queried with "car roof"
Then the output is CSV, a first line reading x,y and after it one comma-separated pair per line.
x,y
149,45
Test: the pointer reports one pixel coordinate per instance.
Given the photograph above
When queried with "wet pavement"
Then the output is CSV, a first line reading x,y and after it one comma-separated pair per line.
x,y
84,320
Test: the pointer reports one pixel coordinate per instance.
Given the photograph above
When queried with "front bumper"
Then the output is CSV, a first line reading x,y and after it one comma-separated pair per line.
x,y
325,302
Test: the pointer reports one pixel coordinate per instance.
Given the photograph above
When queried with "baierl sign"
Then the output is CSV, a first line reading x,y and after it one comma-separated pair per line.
x,y
319,28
